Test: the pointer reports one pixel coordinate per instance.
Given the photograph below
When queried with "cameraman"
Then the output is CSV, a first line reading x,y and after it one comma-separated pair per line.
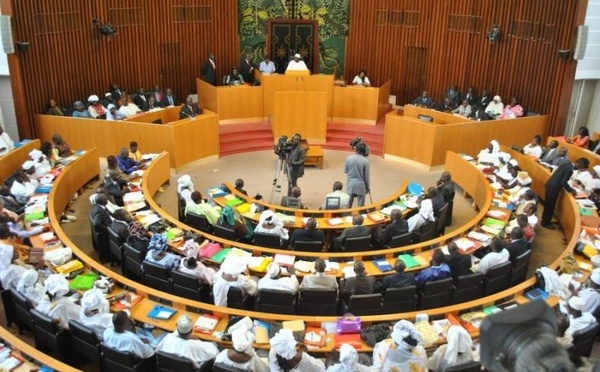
x,y
295,161
357,168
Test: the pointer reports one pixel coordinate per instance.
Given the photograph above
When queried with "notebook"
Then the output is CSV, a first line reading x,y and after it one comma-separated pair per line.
x,y
537,294
219,257
408,260
383,265
206,323
161,312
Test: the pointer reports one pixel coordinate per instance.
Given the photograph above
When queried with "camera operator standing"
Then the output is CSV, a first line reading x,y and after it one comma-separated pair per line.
x,y
295,160
358,169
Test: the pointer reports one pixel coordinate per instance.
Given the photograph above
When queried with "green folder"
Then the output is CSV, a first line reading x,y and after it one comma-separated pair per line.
x,y
585,211
234,202
83,282
34,216
409,260
492,222
219,257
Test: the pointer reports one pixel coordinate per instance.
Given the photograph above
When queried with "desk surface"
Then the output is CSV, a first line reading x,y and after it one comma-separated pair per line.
x,y
14,160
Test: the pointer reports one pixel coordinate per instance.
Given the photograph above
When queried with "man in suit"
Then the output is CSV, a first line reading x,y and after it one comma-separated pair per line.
x,y
453,94
140,98
517,244
101,220
121,223
169,99
398,226
446,186
460,264
295,161
557,181
308,234
319,280
115,187
437,200
357,285
116,92
424,100
484,100
247,67
158,95
209,70
189,110
477,113
549,153
398,280
357,230
469,96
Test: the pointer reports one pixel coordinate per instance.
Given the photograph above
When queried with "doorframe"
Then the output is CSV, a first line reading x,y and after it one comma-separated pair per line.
x,y
312,22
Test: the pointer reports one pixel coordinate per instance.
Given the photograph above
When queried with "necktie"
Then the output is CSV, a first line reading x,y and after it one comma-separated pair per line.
x,y
171,100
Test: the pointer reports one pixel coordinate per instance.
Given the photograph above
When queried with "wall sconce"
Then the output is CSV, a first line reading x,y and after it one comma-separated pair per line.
x,y
494,34
22,46
104,29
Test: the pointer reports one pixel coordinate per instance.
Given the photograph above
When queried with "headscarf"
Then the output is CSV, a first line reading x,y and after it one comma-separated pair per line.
x,y
348,357
137,230
459,341
93,98
597,170
184,182
56,285
28,280
111,106
595,277
35,154
426,210
273,270
284,344
270,216
228,214
402,329
28,165
576,303
92,299
233,265
497,98
242,340
495,146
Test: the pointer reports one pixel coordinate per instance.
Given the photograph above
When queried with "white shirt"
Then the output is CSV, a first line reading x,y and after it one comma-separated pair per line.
x,y
6,142
129,110
267,68
254,364
98,322
278,230
591,298
62,310
296,66
11,276
492,259
287,284
127,342
221,287
344,198
577,324
203,273
195,350
22,191
535,151
398,360
306,364
358,81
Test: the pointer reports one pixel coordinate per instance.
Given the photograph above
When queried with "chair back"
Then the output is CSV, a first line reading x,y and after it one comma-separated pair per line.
x,y
425,232
583,341
133,258
85,342
188,286
114,360
49,336
467,287
99,239
167,362
198,221
181,208
321,302
369,304
358,244
156,276
401,240
22,310
400,300
436,294
9,307
308,246
440,223
115,243
267,240
237,299
275,301
220,367
224,232
291,202
519,268
467,367
332,202
497,279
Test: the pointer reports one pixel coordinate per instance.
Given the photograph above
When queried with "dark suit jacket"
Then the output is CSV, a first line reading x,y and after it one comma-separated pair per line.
x,y
297,158
516,248
121,228
209,74
115,189
247,70
447,190
146,106
427,102
188,112
139,101
396,281
460,264
165,100
393,229
437,203
357,285
483,102
479,114
351,232
304,235
472,99
100,218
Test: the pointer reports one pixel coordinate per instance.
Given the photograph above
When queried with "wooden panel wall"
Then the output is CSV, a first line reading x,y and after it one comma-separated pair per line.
x,y
159,42
428,45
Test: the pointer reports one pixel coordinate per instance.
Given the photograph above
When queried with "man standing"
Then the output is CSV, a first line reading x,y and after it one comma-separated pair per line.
x,y
295,162
559,179
209,70
357,168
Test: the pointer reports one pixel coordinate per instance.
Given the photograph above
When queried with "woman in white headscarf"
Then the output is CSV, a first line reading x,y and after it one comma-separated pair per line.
x,y
269,223
495,108
95,312
10,273
242,355
185,187
287,355
425,214
29,287
56,305
231,274
489,155
457,351
348,361
403,352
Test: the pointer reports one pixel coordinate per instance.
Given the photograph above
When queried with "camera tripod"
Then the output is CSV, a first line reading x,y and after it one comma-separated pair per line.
x,y
282,169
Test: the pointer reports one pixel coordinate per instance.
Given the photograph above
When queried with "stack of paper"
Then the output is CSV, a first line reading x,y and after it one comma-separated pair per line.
x,y
335,221
497,214
332,266
348,271
133,197
284,259
206,323
304,266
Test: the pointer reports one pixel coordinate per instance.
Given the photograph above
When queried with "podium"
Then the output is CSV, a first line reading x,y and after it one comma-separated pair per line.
x,y
300,112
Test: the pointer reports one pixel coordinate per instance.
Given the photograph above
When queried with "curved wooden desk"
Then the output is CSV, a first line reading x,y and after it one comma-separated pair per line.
x,y
14,160
576,152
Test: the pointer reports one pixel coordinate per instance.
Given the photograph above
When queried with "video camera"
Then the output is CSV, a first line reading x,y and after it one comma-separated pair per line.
x,y
283,146
358,141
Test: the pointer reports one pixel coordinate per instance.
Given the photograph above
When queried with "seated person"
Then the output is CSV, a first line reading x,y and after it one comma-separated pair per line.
x,y
578,318
489,155
140,98
267,66
12,268
288,355
235,78
231,219
527,198
397,226
359,284
581,139
56,304
469,96
113,114
446,186
274,280
95,312
120,224
157,255
357,230
242,355
180,343
231,274
239,186
55,109
517,244
190,265
337,193
96,110
495,108
348,361
189,110
498,255
319,280
296,64
29,169
533,149
127,108
361,79
269,223
403,351
151,104
459,264
22,188
456,351
119,338
6,143
437,270
424,215
590,293
11,216
464,109
549,153
127,164
293,199
437,200
18,231
562,324
512,110
185,187
308,234
115,187
101,219
29,287
10,202
446,105
521,221
477,113
398,280
424,100
452,94
7,239
200,207
168,99
134,152
41,162
80,111
60,147
108,99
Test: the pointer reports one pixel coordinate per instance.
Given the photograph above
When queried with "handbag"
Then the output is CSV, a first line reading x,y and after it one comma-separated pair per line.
x,y
348,323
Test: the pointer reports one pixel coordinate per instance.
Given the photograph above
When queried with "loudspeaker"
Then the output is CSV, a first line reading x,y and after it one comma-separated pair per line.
x,y
6,31
581,43
564,54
